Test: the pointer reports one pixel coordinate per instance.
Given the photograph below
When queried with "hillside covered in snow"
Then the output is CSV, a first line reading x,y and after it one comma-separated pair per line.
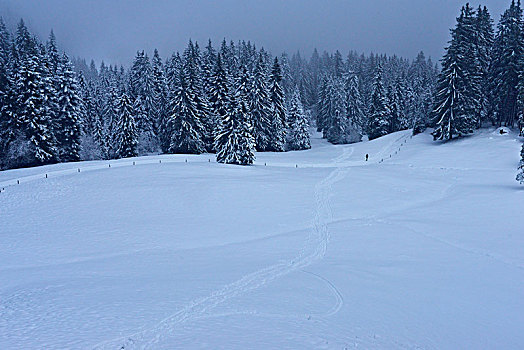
x,y
418,248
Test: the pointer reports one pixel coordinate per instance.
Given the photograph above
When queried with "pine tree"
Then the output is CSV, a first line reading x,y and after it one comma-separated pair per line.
x,y
219,99
142,88
243,85
98,119
99,137
69,112
33,115
260,107
193,68
6,120
110,112
299,125
354,113
278,111
323,105
520,175
448,110
24,44
126,129
208,63
185,124
235,142
379,113
484,45
173,70
457,98
160,88
337,124
507,65
396,103
285,72
53,56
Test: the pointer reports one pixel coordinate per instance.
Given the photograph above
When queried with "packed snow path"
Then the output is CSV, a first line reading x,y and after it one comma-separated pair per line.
x,y
419,247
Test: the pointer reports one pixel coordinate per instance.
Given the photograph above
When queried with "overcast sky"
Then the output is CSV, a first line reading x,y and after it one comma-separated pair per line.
x,y
112,30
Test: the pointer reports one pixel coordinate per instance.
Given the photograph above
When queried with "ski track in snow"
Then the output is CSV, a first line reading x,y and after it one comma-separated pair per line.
x,y
314,250
340,299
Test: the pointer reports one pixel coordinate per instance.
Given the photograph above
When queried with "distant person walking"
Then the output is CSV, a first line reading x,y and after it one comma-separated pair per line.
x,y
367,157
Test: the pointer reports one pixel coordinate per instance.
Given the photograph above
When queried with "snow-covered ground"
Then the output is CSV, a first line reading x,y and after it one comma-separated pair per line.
x,y
305,250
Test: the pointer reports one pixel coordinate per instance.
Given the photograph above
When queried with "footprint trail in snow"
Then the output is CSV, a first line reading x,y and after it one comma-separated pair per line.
x,y
314,250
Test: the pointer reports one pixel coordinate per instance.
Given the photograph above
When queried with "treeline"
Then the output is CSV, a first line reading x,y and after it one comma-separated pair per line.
x,y
229,102
373,96
40,102
280,97
482,74
236,99
232,100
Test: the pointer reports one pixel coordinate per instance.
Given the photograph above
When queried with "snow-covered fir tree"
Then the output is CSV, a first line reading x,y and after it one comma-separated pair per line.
x,y
160,91
33,114
323,105
235,142
336,126
6,122
185,125
193,68
507,65
142,88
484,45
209,58
111,94
379,113
219,99
355,118
457,98
69,112
126,129
469,42
244,85
260,107
396,103
278,110
448,109
298,135
173,68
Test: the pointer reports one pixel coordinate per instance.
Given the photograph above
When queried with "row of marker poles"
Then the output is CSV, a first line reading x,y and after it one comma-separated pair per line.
x,y
134,163
78,170
396,152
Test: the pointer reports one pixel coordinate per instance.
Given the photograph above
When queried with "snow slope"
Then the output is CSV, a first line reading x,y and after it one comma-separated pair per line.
x,y
305,250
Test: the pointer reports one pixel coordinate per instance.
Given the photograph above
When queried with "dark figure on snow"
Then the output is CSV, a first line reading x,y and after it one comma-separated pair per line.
x,y
367,157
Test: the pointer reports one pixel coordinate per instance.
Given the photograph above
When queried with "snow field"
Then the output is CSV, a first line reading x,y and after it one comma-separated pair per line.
x,y
421,250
